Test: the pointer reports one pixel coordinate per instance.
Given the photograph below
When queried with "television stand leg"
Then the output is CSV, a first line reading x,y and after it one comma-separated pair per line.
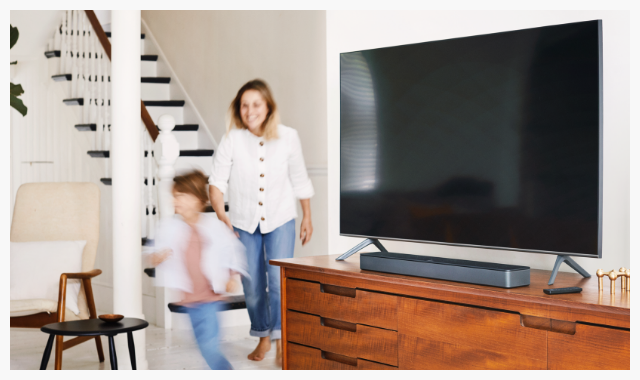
x,y
357,248
572,264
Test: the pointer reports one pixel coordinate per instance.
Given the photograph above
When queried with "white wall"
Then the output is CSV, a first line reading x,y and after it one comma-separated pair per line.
x,y
357,30
213,53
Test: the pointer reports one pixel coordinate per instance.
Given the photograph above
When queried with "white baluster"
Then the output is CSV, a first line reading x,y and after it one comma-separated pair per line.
x,y
151,205
64,45
144,208
166,151
57,38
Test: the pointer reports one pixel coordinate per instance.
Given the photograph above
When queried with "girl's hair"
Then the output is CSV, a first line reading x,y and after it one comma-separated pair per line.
x,y
270,125
194,183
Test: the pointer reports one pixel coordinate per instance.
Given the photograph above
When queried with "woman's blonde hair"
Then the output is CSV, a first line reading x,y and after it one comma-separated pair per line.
x,y
270,125
194,183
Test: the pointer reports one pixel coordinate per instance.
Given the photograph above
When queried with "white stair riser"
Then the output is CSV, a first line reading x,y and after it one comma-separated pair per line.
x,y
148,68
53,65
176,112
202,163
188,140
154,91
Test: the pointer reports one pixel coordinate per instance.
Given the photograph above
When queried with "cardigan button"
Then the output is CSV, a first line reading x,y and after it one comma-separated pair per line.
x,y
261,175
261,143
262,189
260,203
262,218
261,159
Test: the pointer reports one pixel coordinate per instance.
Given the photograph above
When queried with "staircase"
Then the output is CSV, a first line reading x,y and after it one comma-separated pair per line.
x,y
80,64
82,67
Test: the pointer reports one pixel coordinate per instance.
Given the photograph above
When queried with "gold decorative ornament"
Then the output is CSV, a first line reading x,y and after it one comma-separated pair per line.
x,y
625,279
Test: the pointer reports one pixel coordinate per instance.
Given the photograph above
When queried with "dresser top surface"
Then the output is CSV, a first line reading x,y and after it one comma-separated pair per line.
x,y
620,301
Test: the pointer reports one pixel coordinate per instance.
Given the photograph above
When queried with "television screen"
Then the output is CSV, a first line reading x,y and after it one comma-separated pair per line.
x,y
491,141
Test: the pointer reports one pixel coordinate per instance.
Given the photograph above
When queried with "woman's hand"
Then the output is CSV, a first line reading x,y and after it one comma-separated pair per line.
x,y
306,230
233,284
217,202
159,257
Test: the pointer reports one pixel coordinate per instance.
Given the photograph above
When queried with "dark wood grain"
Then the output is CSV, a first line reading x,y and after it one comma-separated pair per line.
x,y
448,325
97,28
423,353
589,306
283,317
479,329
368,308
307,330
358,342
34,320
591,347
367,365
378,345
307,358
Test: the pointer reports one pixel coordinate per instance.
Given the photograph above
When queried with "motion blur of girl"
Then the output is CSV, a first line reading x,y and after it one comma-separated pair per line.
x,y
199,255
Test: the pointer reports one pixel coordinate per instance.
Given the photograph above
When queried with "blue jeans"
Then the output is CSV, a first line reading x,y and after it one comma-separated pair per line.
x,y
204,319
263,306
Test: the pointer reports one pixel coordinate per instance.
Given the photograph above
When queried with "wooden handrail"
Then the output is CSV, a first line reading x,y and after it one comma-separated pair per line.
x,y
106,45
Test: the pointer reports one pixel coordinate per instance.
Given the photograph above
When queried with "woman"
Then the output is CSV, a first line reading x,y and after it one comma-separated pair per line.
x,y
259,164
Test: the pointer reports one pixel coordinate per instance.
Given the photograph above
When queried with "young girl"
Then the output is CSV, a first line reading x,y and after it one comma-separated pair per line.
x,y
198,254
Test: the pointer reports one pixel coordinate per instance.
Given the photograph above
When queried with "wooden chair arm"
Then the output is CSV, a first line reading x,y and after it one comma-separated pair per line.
x,y
83,275
62,291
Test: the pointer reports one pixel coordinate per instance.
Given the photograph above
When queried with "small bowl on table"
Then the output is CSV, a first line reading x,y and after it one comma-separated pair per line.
x,y
111,318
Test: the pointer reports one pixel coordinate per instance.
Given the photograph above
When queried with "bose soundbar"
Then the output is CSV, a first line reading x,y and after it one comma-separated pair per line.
x,y
472,272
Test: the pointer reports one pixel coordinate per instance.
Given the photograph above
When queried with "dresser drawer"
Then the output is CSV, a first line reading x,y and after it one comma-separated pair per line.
x,y
589,347
344,304
437,335
343,338
307,358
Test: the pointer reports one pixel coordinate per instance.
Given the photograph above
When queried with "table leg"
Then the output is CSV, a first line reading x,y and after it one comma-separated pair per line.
x,y
132,350
112,353
47,352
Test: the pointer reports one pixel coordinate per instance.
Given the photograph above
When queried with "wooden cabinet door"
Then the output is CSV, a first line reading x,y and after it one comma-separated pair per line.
x,y
591,347
436,335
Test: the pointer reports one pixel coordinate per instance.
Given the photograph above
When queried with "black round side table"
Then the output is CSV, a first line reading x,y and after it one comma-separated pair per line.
x,y
93,327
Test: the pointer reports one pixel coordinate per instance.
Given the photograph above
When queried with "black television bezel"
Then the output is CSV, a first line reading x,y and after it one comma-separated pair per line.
x,y
600,156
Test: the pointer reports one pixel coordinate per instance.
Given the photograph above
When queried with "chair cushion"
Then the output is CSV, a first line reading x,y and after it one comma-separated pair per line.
x,y
28,307
36,268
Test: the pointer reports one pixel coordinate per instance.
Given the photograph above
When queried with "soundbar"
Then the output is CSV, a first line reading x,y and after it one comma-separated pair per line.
x,y
472,272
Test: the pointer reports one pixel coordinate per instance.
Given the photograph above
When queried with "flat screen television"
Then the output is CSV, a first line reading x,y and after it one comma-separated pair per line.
x,y
490,141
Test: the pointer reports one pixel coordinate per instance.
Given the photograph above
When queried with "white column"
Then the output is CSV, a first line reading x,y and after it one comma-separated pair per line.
x,y
126,173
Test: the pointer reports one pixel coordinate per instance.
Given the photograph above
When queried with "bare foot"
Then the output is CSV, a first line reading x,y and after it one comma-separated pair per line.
x,y
263,347
279,353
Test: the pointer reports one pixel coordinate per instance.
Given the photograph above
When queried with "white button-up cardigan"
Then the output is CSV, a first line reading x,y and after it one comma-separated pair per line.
x,y
261,178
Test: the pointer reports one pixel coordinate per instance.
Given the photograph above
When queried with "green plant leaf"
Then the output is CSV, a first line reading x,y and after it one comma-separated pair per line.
x,y
14,35
18,105
16,89
14,62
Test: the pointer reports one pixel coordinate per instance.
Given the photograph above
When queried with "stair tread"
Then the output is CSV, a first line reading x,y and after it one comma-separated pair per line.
x,y
183,153
164,103
178,128
67,78
109,35
155,80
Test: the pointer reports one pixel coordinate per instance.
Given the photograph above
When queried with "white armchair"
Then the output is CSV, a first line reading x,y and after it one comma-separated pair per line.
x,y
58,212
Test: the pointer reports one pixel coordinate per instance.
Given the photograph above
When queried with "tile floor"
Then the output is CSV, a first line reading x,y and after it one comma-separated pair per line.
x,y
165,350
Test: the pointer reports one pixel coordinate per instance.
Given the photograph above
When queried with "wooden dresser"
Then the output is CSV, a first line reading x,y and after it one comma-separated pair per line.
x,y
336,316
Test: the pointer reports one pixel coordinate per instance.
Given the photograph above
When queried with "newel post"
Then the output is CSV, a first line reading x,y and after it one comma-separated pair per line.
x,y
166,151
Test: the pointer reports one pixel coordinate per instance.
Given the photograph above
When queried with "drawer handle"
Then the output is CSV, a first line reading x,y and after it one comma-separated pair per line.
x,y
339,358
338,290
547,324
340,325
